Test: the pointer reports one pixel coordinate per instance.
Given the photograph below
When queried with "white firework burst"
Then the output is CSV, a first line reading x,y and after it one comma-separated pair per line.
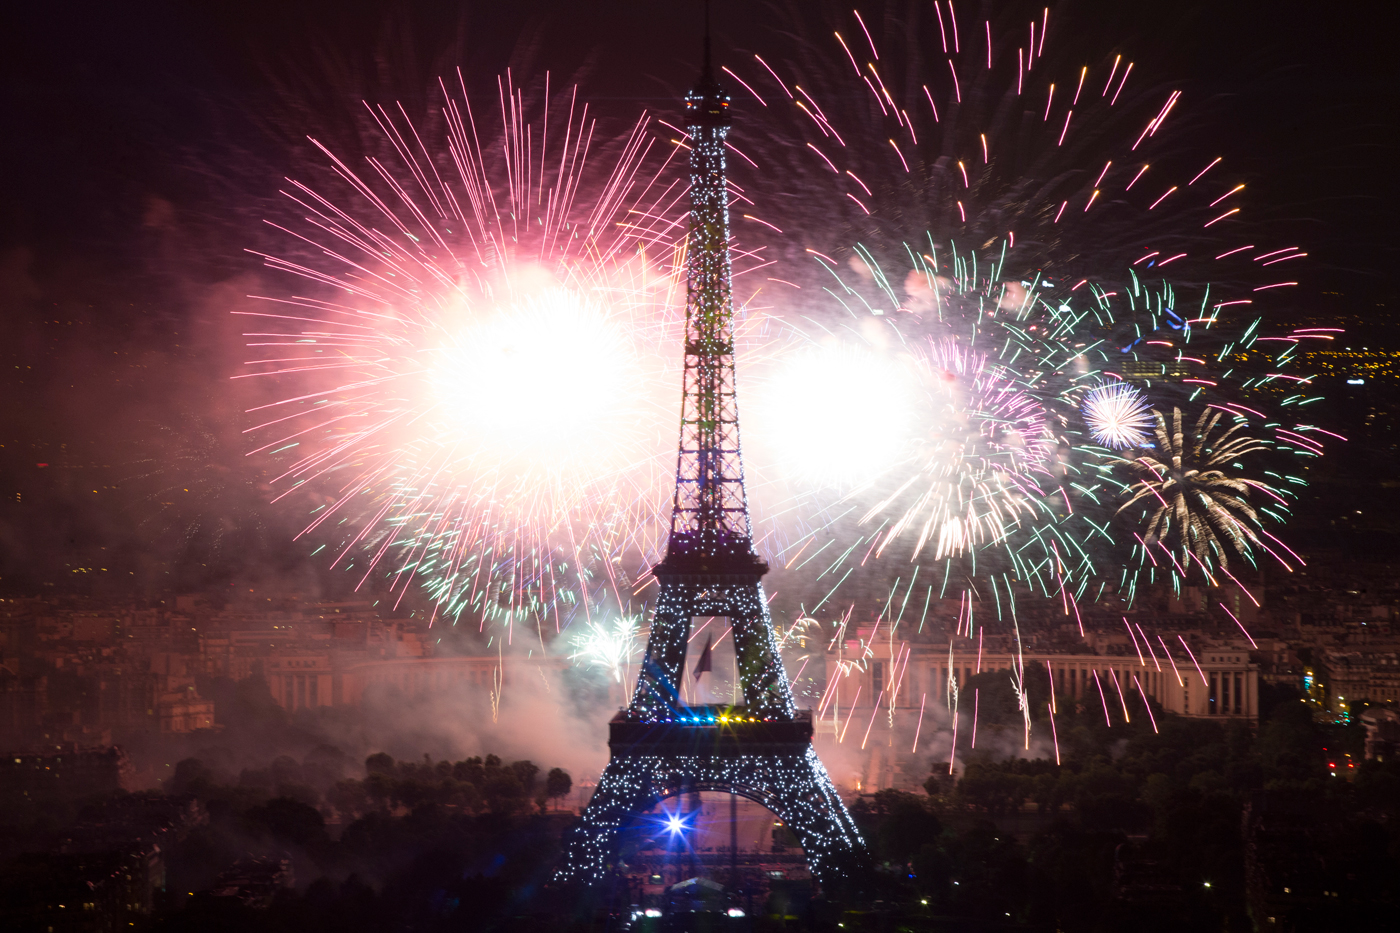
x,y
608,646
1118,416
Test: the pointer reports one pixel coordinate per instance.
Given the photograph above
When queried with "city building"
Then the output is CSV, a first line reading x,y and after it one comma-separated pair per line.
x,y
1221,682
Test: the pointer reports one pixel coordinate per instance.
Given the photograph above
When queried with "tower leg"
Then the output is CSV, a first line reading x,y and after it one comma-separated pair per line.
x,y
793,785
761,672
658,686
733,841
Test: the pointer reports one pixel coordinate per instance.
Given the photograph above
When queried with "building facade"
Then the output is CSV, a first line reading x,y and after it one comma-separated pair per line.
x,y
1219,683
308,679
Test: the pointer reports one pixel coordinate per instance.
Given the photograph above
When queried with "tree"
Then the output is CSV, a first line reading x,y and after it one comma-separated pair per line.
x,y
557,784
285,770
940,782
503,791
907,827
191,776
992,788
470,770
348,798
525,772
288,820
379,787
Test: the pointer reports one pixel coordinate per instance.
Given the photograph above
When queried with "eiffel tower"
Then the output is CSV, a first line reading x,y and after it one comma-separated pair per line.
x,y
661,748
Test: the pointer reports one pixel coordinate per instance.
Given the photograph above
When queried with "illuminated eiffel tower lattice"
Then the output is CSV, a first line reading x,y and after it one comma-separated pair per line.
x,y
660,747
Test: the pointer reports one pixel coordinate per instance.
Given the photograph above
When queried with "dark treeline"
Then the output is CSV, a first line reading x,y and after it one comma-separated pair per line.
x,y
1205,825
1201,825
299,846
425,844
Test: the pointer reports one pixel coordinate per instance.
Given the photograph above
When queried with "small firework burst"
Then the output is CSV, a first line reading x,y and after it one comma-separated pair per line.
x,y
608,646
1117,415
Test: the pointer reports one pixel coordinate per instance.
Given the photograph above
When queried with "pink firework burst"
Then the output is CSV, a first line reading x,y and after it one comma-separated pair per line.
x,y
461,332
975,472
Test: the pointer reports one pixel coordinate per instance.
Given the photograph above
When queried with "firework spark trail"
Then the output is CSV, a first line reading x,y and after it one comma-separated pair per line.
x,y
1060,345
1192,656
1141,660
1146,703
873,711
978,468
1011,192
1001,389
1103,697
976,699
854,701
953,744
1121,698
1236,620
959,154
1168,653
1197,501
902,667
1148,643
1051,334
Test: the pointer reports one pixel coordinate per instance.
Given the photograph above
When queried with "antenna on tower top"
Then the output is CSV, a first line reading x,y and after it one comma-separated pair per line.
x,y
706,71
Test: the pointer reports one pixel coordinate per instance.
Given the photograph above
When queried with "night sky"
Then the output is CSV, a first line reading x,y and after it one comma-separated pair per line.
x,y
144,145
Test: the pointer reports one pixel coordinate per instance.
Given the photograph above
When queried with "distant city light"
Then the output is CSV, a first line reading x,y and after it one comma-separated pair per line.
x,y
1356,382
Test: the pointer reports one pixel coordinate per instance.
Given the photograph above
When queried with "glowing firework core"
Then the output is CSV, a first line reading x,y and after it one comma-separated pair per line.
x,y
859,403
508,381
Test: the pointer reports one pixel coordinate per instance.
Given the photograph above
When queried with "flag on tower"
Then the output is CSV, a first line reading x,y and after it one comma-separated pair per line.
x,y
706,662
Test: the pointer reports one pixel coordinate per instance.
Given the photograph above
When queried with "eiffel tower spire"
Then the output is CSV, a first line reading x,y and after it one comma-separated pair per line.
x,y
710,568
710,515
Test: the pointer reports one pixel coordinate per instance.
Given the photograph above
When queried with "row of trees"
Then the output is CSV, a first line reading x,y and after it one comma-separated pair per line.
x,y
425,844
1198,825
473,785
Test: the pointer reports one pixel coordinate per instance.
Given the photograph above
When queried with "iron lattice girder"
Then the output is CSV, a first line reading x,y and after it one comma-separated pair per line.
x,y
792,783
